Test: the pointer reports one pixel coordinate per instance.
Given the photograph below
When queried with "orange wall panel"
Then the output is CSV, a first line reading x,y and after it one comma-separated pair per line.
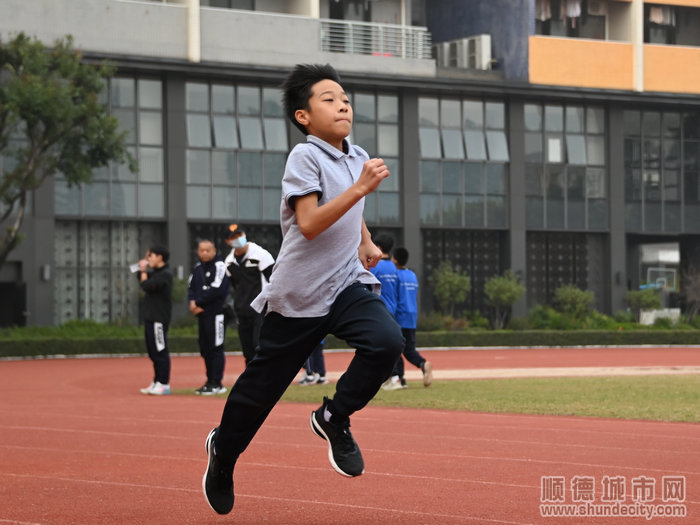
x,y
674,69
685,3
581,63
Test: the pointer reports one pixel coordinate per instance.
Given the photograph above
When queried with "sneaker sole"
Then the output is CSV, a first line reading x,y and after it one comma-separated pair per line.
x,y
316,428
207,446
427,374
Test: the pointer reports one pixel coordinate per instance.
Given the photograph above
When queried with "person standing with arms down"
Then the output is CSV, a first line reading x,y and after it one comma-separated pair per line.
x,y
385,271
320,285
407,317
249,266
157,284
207,291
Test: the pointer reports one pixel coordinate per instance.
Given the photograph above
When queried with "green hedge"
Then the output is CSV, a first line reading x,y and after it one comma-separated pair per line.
x,y
55,346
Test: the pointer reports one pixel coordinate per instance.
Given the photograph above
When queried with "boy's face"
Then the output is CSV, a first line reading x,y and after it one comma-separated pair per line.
x,y
206,251
329,116
155,260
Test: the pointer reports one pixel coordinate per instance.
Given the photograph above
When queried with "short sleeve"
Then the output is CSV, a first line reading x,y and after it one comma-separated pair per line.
x,y
301,175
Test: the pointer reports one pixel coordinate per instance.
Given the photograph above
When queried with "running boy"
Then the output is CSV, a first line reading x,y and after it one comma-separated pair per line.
x,y
320,285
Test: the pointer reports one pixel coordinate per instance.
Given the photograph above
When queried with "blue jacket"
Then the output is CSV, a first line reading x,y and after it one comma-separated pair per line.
x,y
208,286
407,308
385,271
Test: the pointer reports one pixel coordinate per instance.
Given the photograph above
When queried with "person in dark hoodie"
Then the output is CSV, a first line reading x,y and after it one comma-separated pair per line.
x,y
157,283
206,292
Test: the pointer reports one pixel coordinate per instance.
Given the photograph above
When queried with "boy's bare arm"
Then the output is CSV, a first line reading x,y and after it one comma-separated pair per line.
x,y
368,252
314,219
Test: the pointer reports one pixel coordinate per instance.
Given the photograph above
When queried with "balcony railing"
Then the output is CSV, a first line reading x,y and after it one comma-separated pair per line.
x,y
363,38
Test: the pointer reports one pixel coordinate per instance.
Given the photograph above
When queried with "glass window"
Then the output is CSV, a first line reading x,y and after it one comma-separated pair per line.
x,y
196,97
428,111
198,205
495,179
495,115
151,164
473,178
223,202
150,94
388,108
127,122
452,177
151,200
251,133
223,99
533,117
150,127
576,149
430,209
123,93
595,120
248,100
452,144
96,198
632,123
225,134
198,132
392,182
365,136
449,114
476,147
574,119
533,147
429,176
223,167
272,102
275,134
473,114
554,118
249,169
554,149
595,149
389,207
274,170
250,203
198,167
363,107
651,124
429,142
122,171
123,200
67,200
497,145
388,139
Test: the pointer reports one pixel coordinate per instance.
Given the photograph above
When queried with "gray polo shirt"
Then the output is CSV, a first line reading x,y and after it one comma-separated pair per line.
x,y
309,274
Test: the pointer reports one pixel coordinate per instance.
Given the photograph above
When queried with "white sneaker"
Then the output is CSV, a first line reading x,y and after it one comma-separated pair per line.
x,y
309,379
219,390
148,389
393,384
159,389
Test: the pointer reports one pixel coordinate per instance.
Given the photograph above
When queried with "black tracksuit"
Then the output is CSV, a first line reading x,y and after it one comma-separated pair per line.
x,y
157,309
208,288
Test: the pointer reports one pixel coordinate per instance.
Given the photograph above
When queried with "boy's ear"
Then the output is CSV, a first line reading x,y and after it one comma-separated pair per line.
x,y
302,116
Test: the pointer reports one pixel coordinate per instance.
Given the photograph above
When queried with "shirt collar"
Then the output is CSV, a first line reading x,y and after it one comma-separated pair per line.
x,y
331,150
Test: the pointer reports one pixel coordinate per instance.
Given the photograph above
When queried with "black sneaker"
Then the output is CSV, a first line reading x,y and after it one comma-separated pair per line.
x,y
343,452
206,390
217,482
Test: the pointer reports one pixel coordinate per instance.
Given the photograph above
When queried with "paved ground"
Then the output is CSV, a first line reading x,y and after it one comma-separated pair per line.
x,y
79,444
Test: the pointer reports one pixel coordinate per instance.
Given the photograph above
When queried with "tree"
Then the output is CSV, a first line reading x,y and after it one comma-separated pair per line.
x,y
51,121
502,291
571,300
647,299
450,287
691,292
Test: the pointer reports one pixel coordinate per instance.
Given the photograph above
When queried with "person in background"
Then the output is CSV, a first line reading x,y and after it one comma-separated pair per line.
x,y
206,292
249,266
385,272
315,368
407,317
157,283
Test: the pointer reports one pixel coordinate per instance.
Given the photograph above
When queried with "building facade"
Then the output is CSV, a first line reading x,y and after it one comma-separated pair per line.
x,y
556,138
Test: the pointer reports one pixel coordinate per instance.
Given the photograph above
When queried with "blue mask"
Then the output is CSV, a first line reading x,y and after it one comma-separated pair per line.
x,y
239,242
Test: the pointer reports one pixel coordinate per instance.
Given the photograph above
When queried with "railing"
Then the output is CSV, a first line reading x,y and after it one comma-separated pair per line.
x,y
363,38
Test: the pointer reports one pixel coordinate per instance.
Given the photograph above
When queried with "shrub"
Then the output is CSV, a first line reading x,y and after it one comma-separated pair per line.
x,y
450,287
573,301
501,293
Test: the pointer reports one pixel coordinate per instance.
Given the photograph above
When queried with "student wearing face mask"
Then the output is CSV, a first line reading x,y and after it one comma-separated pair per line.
x,y
249,266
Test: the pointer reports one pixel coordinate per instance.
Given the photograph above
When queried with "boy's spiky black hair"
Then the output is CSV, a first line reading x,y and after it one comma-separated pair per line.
x,y
385,242
297,88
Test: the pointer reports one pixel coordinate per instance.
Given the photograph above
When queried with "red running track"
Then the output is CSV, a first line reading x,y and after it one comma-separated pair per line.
x,y
79,444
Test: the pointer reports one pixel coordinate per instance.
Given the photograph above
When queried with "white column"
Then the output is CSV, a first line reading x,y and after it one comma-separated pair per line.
x,y
194,43
638,44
